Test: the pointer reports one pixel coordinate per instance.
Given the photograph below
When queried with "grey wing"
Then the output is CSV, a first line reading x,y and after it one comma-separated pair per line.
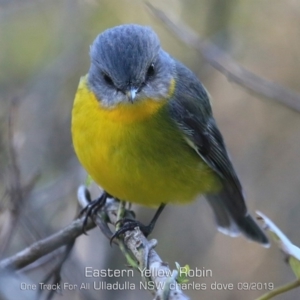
x,y
202,134
190,109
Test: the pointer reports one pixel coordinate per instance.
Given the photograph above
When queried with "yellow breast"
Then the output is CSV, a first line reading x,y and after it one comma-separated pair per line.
x,y
135,152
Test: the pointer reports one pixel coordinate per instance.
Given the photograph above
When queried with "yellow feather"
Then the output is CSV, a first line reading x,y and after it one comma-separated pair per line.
x,y
136,152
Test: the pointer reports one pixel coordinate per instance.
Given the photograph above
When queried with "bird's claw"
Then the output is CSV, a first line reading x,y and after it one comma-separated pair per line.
x,y
130,224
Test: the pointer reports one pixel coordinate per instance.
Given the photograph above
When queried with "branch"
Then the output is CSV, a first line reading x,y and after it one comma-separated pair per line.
x,y
15,185
45,246
142,250
292,256
280,290
17,191
227,66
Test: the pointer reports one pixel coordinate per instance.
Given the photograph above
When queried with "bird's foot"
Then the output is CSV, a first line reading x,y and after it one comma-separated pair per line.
x,y
130,224
92,208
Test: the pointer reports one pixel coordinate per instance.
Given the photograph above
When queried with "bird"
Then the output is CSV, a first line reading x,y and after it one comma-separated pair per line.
x,y
143,128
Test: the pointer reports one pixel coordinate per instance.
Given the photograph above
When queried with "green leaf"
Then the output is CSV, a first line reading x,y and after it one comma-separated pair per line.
x,y
88,181
182,273
295,265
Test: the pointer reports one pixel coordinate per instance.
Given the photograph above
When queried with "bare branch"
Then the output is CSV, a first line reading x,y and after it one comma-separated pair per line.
x,y
164,279
17,192
278,291
292,256
227,66
45,246
15,186
141,249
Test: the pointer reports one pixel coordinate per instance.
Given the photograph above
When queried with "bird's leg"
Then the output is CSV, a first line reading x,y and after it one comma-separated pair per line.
x,y
93,206
130,224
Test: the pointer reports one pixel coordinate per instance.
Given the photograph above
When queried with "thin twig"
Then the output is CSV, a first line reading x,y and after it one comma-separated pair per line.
x,y
16,185
280,290
17,191
54,276
227,66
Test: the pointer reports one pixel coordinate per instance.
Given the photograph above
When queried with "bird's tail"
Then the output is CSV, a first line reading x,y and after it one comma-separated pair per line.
x,y
231,220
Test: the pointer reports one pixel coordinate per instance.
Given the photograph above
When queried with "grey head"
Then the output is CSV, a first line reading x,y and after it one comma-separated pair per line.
x,y
128,64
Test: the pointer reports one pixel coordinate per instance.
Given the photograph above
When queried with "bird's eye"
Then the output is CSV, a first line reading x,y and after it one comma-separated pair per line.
x,y
150,71
107,79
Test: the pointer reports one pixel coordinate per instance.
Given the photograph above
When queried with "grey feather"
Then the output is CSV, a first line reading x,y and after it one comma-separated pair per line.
x,y
124,54
190,109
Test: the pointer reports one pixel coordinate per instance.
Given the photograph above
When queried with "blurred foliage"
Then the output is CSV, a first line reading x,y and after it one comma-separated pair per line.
x,y
44,49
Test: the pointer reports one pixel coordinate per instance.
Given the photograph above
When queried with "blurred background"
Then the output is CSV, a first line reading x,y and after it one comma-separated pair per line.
x,y
44,49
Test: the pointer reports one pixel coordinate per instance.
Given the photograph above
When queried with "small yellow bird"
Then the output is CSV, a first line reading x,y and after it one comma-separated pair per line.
x,y
142,127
